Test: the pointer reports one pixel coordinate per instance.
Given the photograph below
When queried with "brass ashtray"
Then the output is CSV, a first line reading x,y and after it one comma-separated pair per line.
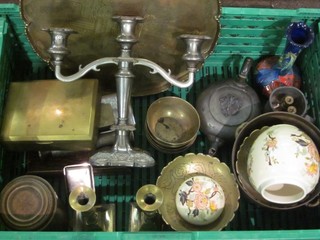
x,y
185,167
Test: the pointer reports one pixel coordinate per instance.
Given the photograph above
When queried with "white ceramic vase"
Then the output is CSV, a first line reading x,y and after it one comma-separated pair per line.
x,y
283,164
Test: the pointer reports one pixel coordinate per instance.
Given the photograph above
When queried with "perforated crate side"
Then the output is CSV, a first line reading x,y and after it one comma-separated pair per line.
x,y
309,63
251,221
12,67
255,32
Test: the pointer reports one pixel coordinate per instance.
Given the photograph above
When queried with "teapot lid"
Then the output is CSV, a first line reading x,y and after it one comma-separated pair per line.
x,y
231,105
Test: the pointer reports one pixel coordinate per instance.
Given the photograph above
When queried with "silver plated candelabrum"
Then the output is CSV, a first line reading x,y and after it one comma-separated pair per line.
x,y
122,154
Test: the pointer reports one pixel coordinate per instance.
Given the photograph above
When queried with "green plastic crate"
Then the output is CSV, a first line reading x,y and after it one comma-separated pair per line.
x,y
14,65
245,32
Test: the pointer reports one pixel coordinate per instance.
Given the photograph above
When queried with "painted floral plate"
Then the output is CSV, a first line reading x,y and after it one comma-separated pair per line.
x,y
184,168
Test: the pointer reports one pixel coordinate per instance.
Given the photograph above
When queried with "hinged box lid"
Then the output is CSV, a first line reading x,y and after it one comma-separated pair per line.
x,y
49,114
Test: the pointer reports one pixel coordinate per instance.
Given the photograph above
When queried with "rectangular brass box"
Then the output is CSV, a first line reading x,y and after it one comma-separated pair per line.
x,y
51,115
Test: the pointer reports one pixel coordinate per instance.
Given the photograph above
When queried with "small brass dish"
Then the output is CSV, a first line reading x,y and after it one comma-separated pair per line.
x,y
172,122
185,167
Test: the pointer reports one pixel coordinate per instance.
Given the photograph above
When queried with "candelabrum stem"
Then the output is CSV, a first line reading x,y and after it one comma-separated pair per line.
x,y
122,154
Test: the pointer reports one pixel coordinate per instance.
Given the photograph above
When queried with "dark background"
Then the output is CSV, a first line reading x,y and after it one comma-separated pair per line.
x,y
252,3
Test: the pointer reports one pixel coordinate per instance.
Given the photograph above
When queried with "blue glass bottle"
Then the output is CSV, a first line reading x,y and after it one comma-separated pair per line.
x,y
275,71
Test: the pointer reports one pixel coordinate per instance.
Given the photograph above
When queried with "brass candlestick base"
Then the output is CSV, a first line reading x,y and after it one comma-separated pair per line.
x,y
144,214
98,218
87,216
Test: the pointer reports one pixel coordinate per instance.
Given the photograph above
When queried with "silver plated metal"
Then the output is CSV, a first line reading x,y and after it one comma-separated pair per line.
x,y
122,154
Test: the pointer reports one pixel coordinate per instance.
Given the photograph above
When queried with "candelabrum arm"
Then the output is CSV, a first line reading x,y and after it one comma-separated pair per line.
x,y
165,74
82,71
136,61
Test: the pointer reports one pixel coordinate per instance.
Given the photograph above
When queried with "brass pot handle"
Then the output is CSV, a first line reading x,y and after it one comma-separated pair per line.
x,y
314,203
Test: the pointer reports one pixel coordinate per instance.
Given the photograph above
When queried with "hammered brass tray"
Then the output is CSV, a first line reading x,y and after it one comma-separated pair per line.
x,y
184,167
164,21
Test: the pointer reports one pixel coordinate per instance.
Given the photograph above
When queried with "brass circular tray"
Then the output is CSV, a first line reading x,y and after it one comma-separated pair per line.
x,y
164,21
184,167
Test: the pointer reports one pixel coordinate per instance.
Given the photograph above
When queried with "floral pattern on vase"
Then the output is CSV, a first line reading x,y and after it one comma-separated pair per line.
x,y
308,149
269,146
200,200
305,147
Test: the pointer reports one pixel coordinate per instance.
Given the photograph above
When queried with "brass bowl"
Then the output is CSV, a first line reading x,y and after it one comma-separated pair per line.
x,y
167,148
181,169
172,122
246,137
